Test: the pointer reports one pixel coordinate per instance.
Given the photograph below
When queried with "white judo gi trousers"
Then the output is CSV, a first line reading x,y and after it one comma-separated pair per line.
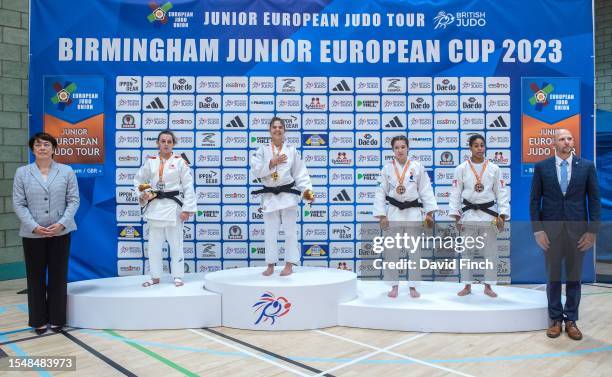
x,y
488,231
287,218
157,236
411,229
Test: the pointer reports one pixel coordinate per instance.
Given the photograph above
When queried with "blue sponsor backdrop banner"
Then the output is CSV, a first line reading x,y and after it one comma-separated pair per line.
x,y
346,76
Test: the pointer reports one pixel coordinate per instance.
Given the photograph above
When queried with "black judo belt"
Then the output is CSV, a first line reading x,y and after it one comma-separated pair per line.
x,y
172,195
278,189
484,207
403,205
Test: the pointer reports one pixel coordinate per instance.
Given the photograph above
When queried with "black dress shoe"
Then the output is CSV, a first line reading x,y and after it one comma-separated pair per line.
x,y
41,331
57,329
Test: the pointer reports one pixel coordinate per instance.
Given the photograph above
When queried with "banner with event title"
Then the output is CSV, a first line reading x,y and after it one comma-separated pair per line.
x,y
346,77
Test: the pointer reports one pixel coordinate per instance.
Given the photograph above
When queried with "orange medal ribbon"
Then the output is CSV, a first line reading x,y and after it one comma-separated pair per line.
x,y
400,179
478,187
160,182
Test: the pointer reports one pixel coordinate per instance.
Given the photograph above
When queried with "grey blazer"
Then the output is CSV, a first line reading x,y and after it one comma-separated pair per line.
x,y
37,202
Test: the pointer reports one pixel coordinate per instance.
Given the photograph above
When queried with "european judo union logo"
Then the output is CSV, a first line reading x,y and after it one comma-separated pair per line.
x,y
539,99
62,94
159,14
271,307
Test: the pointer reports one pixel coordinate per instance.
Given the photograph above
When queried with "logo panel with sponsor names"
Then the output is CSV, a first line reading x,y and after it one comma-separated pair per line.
x,y
342,127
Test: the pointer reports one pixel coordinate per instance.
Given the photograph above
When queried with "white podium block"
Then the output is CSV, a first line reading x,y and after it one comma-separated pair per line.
x,y
307,299
439,309
122,303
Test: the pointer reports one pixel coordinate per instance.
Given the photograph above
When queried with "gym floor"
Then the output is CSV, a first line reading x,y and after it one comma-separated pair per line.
x,y
336,351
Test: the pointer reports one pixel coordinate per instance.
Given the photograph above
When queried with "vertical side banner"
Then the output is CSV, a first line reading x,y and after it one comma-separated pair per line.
x,y
74,115
549,104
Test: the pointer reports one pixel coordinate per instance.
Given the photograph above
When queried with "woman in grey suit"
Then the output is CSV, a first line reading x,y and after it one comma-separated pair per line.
x,y
45,198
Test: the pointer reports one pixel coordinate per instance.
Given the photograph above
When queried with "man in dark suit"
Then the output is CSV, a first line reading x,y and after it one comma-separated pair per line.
x,y
565,208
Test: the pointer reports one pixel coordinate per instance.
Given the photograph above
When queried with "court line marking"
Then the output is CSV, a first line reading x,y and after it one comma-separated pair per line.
x,y
153,355
33,337
418,361
118,367
20,352
484,359
265,351
357,360
245,351
165,346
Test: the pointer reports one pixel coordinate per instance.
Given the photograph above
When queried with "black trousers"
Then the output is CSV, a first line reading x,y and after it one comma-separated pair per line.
x,y
47,301
563,254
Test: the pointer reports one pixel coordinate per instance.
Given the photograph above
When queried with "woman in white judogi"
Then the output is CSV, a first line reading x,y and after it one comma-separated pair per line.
x,y
477,190
406,186
166,191
286,180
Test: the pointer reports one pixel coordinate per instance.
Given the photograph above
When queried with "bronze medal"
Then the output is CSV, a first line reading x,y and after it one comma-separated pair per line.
x,y
478,187
401,189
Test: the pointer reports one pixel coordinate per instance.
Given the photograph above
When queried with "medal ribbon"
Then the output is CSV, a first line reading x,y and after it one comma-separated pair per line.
x,y
161,168
400,180
478,177
276,154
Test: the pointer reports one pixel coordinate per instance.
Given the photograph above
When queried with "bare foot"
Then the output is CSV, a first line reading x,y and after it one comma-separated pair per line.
x,y
269,271
414,293
150,282
465,291
489,291
393,292
178,282
288,270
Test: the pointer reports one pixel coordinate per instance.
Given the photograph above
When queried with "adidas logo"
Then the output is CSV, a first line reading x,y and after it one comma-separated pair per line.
x,y
341,87
498,123
394,123
156,104
235,123
342,196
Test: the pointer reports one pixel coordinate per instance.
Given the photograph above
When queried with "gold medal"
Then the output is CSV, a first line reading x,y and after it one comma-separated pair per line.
x,y
401,189
478,187
275,174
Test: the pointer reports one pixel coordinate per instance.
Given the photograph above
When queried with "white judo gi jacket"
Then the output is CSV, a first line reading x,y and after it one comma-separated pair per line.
x,y
293,170
176,177
494,190
418,186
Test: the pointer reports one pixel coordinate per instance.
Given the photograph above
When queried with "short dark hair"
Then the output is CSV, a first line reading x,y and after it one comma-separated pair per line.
x,y
277,119
167,132
475,137
42,136
399,138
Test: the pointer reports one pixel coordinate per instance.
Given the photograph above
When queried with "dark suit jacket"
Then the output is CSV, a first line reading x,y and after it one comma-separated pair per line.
x,y
550,210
